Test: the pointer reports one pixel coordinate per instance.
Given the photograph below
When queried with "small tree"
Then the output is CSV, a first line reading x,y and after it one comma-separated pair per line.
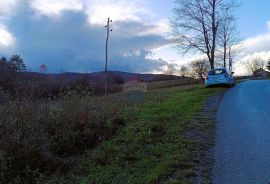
x,y
228,34
170,70
199,68
43,68
183,71
17,64
254,64
6,76
4,67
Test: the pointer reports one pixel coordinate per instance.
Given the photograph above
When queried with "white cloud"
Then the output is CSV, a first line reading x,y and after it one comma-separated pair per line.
x,y
4,4
6,9
54,8
117,10
81,47
257,44
268,25
96,10
161,28
265,55
7,38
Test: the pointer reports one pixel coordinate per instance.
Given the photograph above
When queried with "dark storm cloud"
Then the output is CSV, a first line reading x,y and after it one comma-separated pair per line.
x,y
138,63
70,43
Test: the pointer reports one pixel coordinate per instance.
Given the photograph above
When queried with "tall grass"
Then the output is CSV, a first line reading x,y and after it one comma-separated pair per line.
x,y
40,137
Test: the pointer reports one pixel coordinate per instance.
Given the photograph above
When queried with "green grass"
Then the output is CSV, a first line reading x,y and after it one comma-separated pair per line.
x,y
151,147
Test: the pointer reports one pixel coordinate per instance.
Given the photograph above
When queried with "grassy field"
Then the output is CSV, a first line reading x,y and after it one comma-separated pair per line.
x,y
151,146
173,83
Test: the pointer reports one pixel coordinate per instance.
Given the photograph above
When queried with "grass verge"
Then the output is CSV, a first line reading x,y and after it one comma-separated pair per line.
x,y
151,147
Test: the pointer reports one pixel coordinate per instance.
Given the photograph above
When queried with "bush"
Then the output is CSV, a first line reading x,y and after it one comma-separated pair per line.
x,y
40,137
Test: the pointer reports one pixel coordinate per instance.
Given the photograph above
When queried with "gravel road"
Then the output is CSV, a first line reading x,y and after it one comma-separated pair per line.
x,y
242,151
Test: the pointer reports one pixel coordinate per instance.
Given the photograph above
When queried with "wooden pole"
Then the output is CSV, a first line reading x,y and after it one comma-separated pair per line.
x,y
106,57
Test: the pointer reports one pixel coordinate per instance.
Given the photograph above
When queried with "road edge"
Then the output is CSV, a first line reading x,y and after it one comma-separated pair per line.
x,y
203,134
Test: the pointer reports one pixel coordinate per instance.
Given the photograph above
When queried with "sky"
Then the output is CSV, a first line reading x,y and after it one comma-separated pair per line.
x,y
69,35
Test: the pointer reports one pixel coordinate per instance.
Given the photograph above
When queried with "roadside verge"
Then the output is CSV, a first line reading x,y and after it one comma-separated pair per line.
x,y
163,141
203,133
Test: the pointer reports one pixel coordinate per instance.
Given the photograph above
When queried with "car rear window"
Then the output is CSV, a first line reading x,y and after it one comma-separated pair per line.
x,y
217,72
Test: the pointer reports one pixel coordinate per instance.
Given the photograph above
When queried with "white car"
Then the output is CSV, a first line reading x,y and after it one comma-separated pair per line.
x,y
219,76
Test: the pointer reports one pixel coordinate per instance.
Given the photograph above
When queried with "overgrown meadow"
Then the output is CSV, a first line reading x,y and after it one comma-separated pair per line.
x,y
43,138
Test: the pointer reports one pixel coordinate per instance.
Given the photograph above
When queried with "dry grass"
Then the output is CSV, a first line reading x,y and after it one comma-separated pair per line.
x,y
42,137
172,83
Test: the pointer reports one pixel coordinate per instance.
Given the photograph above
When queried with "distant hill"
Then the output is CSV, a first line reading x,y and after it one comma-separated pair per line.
x,y
123,76
38,85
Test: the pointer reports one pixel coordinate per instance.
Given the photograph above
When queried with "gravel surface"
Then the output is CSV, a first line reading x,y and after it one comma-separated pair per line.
x,y
203,132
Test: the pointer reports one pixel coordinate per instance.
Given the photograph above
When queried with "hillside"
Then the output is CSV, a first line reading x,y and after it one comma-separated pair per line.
x,y
124,76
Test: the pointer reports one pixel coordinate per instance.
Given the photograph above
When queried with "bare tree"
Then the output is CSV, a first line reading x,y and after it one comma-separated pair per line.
x,y
228,35
254,64
43,68
199,68
183,71
171,70
195,26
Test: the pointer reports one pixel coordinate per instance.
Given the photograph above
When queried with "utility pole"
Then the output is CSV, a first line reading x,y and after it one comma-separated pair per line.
x,y
106,64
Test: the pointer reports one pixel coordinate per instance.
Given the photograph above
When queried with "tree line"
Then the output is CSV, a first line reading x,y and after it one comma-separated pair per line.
x,y
14,64
197,69
253,65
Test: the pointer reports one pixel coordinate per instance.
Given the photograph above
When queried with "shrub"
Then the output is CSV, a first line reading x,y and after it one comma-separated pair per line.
x,y
40,137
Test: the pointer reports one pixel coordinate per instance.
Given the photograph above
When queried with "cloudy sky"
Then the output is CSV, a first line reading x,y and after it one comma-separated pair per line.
x,y
69,35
